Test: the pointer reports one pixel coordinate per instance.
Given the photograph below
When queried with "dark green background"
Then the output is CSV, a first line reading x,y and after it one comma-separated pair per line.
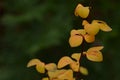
x,y
40,29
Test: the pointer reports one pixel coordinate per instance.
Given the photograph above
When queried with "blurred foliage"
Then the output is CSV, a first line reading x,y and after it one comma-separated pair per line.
x,y
40,29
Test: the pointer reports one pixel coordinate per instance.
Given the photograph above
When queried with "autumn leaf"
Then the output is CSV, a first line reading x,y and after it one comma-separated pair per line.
x,y
51,67
94,56
67,75
76,56
82,11
102,25
91,29
40,66
56,73
75,66
83,70
75,41
64,61
33,62
89,38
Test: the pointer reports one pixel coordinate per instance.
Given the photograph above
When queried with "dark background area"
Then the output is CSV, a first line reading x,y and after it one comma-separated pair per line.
x,y
40,29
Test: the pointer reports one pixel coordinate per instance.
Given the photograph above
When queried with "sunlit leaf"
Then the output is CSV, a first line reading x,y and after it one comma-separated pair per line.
x,y
105,28
53,74
83,70
89,38
76,56
68,75
82,11
75,66
34,62
56,73
40,68
64,61
91,29
51,66
75,41
102,25
94,56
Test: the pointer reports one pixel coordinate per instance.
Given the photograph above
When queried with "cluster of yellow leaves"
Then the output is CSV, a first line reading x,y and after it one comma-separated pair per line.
x,y
76,39
52,71
89,31
92,54
74,64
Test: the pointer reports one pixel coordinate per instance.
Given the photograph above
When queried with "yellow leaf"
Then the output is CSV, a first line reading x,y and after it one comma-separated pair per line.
x,y
52,74
103,25
89,38
83,70
40,68
85,22
64,61
56,73
68,75
75,66
51,66
82,11
97,48
105,28
91,29
76,56
75,41
46,78
34,62
94,56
